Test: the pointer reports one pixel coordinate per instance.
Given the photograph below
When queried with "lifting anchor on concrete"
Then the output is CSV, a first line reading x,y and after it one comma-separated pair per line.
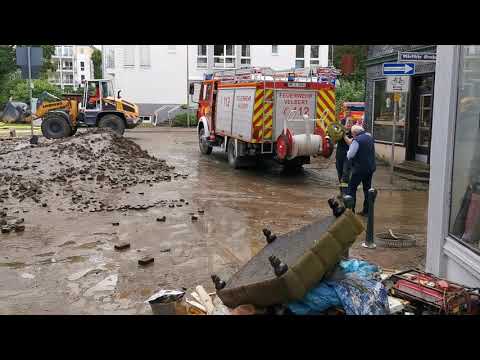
x,y
219,283
336,208
269,236
279,267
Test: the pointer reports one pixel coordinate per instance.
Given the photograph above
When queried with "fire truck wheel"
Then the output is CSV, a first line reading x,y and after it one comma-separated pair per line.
x,y
55,127
232,159
113,122
204,147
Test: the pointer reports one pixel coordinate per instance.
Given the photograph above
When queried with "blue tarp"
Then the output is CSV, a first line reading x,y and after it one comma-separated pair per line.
x,y
351,287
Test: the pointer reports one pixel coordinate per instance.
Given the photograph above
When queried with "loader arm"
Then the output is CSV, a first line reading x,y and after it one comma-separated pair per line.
x,y
45,107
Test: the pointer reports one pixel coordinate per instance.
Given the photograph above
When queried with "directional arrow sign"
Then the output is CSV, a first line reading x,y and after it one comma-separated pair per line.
x,y
398,69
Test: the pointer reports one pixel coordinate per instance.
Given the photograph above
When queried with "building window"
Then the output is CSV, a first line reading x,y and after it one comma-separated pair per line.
x,y
82,66
67,65
68,78
58,51
82,77
274,49
145,56
129,55
146,119
110,61
300,56
314,55
383,114
224,56
67,51
202,61
245,55
465,193
172,49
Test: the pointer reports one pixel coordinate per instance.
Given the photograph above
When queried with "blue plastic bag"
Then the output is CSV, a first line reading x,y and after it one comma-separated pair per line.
x,y
357,293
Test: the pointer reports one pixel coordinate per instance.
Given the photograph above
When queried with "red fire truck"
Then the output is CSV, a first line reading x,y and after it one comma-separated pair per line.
x,y
260,112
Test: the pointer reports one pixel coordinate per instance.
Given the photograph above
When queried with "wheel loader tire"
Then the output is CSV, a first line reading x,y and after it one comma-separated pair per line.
x,y
113,122
55,127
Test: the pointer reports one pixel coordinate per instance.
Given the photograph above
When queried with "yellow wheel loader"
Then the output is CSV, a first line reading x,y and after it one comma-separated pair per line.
x,y
98,107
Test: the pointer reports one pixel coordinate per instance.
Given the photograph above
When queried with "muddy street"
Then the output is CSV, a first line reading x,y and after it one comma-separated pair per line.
x,y
64,262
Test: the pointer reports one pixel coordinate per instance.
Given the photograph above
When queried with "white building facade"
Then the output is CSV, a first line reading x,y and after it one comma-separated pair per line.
x,y
73,65
453,236
156,75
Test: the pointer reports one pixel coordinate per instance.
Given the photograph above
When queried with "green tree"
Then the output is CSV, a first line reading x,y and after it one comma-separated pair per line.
x,y
349,90
7,68
97,63
19,89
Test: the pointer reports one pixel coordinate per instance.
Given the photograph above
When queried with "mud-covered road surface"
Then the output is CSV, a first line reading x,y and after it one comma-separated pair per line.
x,y
64,262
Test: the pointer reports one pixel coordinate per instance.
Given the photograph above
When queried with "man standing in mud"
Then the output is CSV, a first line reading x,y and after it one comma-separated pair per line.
x,y
362,153
342,163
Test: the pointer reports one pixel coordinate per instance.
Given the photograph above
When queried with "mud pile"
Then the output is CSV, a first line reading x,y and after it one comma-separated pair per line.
x,y
90,163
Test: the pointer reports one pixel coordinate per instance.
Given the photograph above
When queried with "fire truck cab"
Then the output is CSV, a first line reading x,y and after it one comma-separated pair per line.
x,y
260,112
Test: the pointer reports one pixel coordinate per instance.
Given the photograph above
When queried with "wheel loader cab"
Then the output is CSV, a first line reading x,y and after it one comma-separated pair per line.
x,y
93,99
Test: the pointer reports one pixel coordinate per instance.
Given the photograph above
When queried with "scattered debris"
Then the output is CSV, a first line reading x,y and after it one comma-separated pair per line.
x,y
19,228
122,246
107,284
205,300
194,218
28,276
244,310
162,219
146,260
82,273
165,302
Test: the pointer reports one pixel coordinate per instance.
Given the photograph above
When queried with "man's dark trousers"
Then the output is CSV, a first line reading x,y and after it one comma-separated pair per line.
x,y
355,180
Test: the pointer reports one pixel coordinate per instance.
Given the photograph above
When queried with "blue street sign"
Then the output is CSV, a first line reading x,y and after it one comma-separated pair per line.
x,y
398,69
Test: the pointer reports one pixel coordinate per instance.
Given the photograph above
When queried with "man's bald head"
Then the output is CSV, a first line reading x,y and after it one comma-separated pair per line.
x,y
357,129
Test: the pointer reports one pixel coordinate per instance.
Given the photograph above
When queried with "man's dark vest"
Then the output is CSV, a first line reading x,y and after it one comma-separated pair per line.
x,y
364,159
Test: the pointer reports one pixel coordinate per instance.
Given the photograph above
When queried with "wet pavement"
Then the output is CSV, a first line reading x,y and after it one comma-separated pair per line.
x,y
65,262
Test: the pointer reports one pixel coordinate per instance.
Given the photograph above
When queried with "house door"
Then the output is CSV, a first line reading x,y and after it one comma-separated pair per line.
x,y
421,124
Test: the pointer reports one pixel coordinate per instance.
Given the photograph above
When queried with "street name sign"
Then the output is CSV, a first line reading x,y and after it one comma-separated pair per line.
x,y
417,57
398,69
398,84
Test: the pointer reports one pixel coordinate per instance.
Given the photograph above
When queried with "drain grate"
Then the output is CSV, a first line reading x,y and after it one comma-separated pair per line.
x,y
391,240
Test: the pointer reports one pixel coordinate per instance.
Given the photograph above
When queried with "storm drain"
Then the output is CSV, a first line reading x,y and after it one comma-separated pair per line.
x,y
390,239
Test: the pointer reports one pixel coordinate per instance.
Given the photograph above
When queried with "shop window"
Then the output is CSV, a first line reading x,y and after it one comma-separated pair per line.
x,y
202,56
383,114
300,56
465,196
82,66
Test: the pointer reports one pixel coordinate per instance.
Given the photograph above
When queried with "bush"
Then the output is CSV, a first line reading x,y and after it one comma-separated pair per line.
x,y
180,120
